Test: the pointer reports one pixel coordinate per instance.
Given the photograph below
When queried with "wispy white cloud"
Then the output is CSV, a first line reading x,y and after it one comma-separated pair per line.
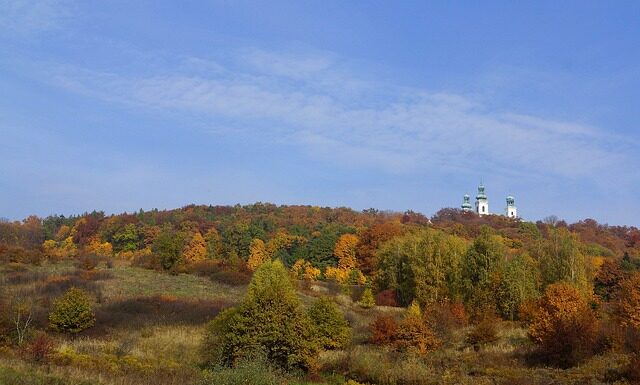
x,y
28,17
293,97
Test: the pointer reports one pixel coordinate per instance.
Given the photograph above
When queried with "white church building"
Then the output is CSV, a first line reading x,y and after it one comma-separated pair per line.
x,y
482,204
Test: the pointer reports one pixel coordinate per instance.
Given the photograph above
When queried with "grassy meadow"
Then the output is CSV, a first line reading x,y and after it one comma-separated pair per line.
x,y
150,324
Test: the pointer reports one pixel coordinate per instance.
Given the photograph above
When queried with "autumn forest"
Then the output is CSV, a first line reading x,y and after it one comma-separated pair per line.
x,y
267,294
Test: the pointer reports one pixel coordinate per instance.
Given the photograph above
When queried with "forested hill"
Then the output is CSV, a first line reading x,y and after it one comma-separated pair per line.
x,y
311,231
334,243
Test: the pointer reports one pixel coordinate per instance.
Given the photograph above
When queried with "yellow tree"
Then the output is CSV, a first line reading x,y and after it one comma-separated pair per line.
x,y
305,270
345,250
196,250
346,272
282,240
62,249
257,254
103,249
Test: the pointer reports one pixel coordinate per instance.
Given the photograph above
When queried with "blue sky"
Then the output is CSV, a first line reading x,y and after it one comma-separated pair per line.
x,y
395,105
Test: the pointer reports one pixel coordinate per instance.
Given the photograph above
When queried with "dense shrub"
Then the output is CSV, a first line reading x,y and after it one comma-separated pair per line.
x,y
447,315
19,254
207,267
485,332
414,335
40,348
564,326
72,312
87,261
147,261
366,300
387,298
383,330
633,370
331,330
377,366
270,320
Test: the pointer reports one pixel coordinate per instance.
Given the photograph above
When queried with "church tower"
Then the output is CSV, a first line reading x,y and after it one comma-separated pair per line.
x,y
466,204
511,212
482,203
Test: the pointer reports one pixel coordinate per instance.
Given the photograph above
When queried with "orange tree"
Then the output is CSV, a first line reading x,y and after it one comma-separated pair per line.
x,y
563,325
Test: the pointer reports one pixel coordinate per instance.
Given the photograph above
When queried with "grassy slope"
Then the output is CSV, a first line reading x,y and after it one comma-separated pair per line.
x,y
165,351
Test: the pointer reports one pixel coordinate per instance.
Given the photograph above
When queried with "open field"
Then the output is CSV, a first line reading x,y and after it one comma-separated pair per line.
x,y
150,325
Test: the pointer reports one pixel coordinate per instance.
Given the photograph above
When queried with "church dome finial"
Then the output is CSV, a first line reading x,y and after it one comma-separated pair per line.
x,y
466,203
481,193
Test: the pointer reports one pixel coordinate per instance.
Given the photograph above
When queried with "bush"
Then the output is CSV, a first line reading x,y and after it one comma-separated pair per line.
x,y
87,262
415,336
445,317
564,326
147,261
485,332
41,348
207,267
366,300
383,330
633,370
412,334
331,330
72,313
387,298
270,320
18,254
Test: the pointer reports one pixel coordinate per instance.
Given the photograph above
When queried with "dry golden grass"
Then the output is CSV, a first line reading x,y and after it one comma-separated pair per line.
x,y
167,352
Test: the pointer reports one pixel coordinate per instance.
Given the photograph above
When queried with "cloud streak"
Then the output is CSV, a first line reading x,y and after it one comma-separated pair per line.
x,y
298,98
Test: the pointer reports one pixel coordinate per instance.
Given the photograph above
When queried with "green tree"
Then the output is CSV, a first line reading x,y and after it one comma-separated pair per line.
x,y
367,300
425,264
562,260
331,330
127,238
270,320
72,312
483,260
214,244
168,246
237,237
518,283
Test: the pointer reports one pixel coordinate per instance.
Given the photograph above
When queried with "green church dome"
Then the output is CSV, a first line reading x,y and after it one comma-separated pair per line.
x,y
481,194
